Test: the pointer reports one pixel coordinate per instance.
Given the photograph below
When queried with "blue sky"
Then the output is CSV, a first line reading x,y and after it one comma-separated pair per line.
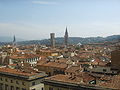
x,y
35,19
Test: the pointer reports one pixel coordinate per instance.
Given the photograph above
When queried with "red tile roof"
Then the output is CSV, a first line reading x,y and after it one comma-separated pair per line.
x,y
73,69
16,72
114,83
24,56
82,78
56,65
52,64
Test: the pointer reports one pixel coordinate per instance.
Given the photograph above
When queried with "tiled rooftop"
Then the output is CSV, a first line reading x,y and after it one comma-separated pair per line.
x,y
56,65
24,56
73,69
82,78
113,82
15,72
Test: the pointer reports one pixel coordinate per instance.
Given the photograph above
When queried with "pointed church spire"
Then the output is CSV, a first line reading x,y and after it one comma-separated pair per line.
x,y
14,41
66,37
66,32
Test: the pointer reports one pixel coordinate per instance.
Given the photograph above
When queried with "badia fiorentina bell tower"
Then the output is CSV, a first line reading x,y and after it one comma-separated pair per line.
x,y
66,37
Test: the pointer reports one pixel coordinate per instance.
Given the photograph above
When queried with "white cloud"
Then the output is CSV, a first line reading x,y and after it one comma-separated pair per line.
x,y
45,3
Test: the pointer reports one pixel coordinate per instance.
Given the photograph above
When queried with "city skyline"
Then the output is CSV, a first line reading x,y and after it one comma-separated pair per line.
x,y
35,19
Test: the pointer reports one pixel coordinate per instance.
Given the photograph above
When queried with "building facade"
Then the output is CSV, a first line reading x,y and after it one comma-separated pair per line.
x,y
115,59
31,59
12,79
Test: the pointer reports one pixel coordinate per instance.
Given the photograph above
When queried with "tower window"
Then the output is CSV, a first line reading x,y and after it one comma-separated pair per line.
x,y
33,83
17,82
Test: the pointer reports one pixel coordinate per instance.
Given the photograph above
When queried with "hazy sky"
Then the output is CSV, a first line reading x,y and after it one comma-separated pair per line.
x,y
35,19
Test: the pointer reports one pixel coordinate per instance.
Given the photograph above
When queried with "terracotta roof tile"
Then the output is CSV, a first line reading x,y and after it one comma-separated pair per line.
x,y
84,78
15,71
56,65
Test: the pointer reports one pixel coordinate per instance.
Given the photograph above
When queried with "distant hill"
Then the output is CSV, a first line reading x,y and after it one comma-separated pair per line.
x,y
75,40
9,39
60,40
